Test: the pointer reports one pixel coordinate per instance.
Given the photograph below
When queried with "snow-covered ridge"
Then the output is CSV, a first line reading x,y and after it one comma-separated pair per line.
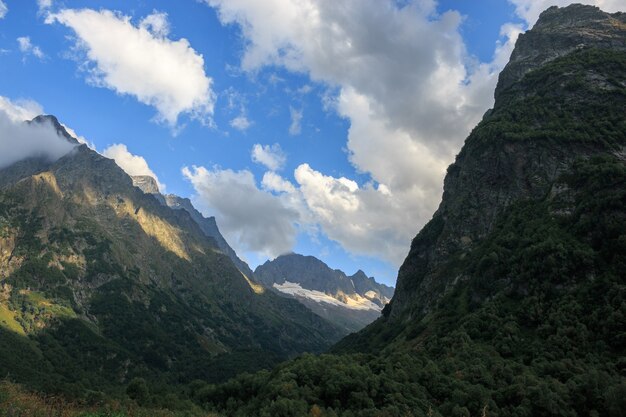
x,y
355,302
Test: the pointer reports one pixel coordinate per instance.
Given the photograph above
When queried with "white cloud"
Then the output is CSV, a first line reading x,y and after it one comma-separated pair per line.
x,y
351,215
406,83
305,89
296,121
27,48
3,9
20,110
19,140
44,5
240,122
274,182
529,10
142,62
251,219
81,139
156,23
403,78
272,156
133,165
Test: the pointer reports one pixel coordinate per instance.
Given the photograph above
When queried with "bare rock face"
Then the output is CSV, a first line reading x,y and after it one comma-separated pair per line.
x,y
558,100
558,32
146,183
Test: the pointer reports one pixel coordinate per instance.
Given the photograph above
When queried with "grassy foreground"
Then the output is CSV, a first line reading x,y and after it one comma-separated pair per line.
x,y
15,401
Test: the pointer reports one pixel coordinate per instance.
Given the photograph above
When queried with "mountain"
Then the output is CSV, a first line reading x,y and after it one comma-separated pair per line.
x,y
558,101
511,300
208,225
349,301
101,283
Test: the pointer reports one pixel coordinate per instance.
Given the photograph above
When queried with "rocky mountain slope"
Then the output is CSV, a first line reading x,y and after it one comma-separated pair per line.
x,y
559,100
101,283
511,300
350,301
208,225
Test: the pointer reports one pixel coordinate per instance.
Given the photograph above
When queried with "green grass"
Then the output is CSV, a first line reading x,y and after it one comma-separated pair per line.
x,y
7,319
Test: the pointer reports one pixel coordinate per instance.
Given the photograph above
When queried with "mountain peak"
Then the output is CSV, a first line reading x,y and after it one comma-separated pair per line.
x,y
54,122
146,183
353,301
559,31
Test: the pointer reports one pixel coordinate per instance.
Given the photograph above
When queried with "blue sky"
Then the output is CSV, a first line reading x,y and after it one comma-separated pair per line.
x,y
354,110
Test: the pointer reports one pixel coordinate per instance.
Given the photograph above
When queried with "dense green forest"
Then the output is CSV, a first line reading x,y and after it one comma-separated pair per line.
x,y
537,328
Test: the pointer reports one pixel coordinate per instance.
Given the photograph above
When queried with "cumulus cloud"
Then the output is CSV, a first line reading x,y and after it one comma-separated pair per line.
x,y
156,23
529,10
240,122
274,182
20,110
20,140
3,9
44,5
405,82
139,60
27,48
352,215
296,121
252,219
272,156
133,165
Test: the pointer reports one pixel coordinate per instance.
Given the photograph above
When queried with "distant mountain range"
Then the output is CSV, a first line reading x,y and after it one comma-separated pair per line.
x,y
349,301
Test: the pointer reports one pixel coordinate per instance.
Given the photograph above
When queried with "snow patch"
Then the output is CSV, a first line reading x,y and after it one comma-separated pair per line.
x,y
354,302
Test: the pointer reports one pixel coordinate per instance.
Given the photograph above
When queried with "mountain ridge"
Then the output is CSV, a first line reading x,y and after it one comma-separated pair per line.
x,y
208,225
351,301
532,167
99,275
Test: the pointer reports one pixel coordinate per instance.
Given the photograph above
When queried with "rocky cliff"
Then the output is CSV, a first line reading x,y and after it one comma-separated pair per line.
x,y
558,100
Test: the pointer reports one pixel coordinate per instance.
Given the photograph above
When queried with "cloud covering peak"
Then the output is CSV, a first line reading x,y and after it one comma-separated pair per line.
x,y
133,165
20,140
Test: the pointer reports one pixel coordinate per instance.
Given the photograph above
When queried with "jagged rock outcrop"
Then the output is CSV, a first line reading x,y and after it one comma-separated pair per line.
x,y
560,31
58,127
